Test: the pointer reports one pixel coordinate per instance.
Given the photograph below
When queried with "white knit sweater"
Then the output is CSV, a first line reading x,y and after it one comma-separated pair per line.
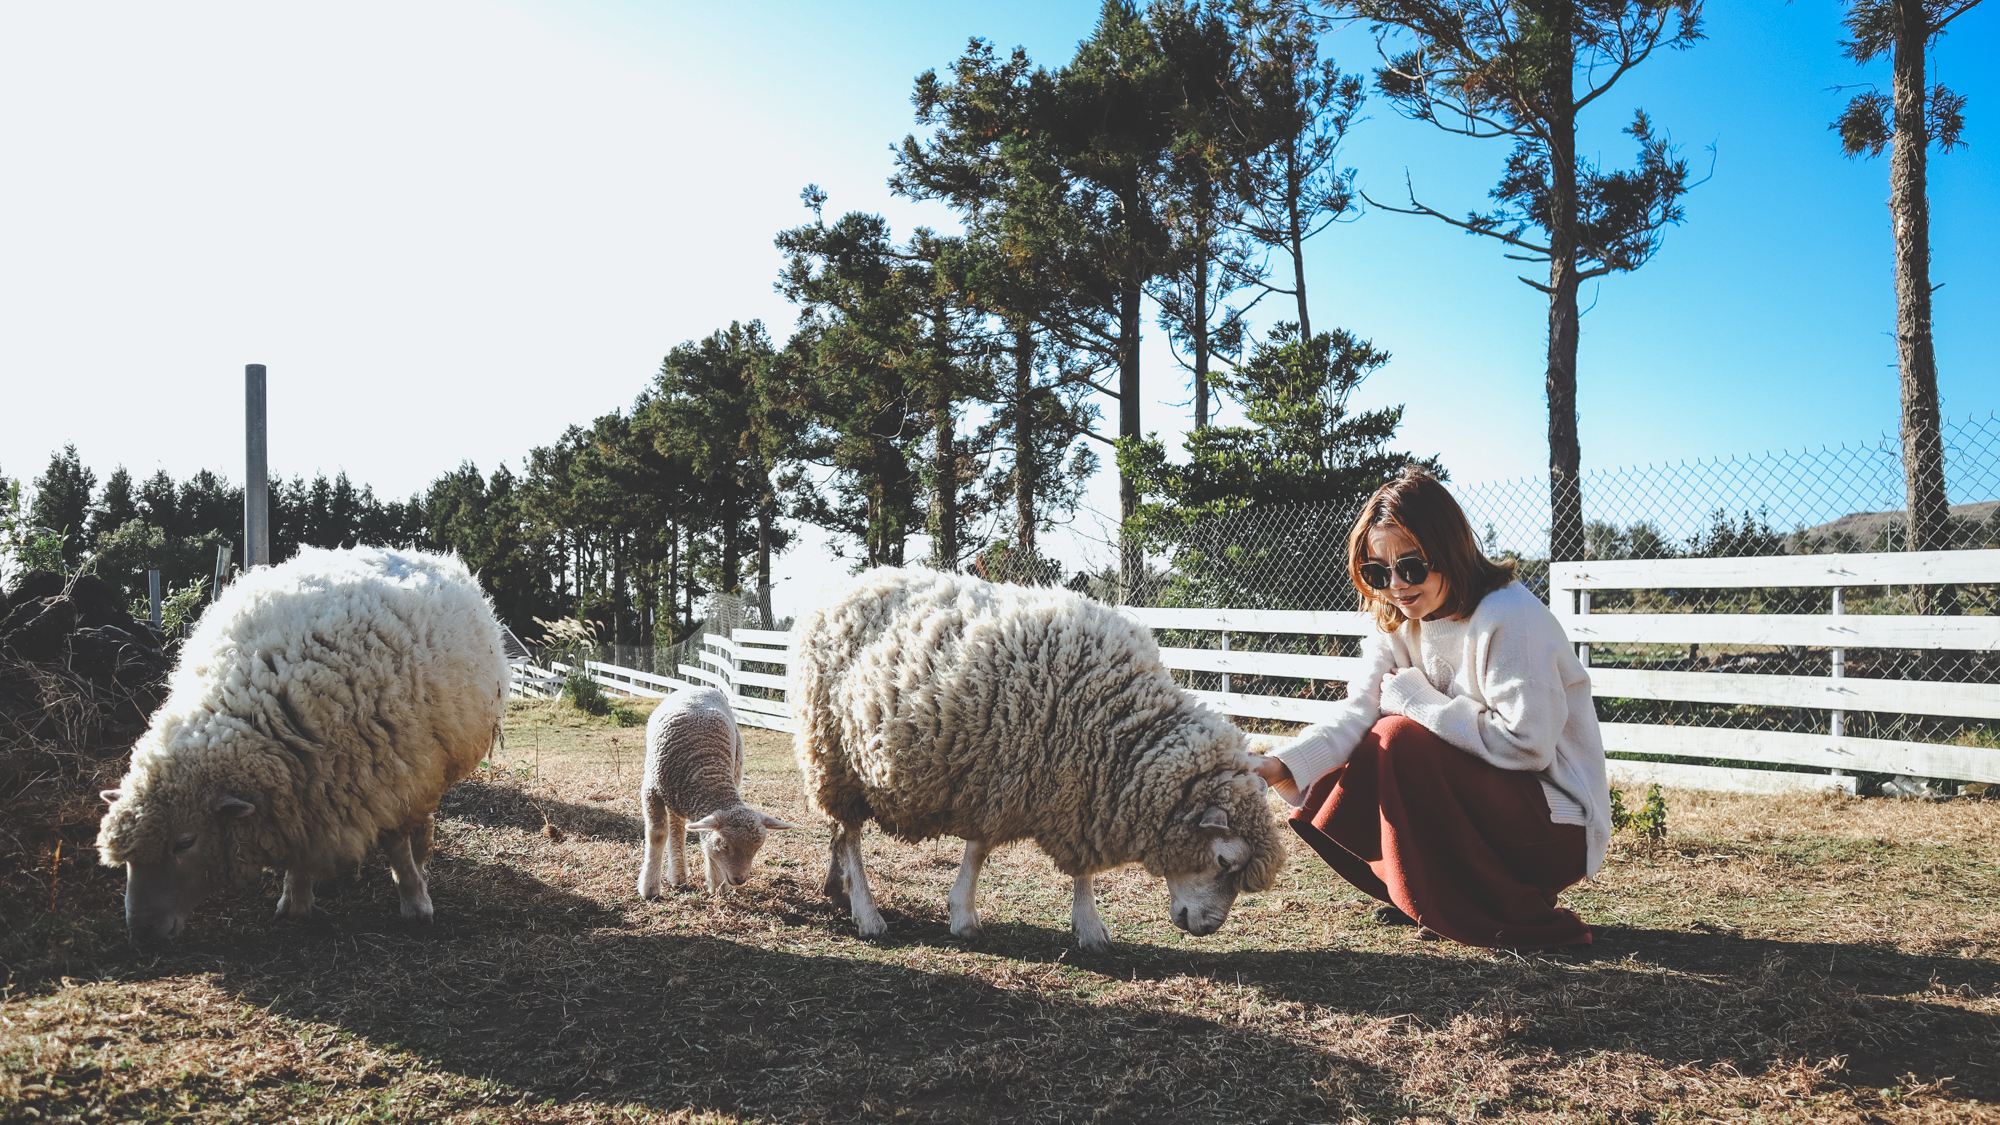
x,y
1503,685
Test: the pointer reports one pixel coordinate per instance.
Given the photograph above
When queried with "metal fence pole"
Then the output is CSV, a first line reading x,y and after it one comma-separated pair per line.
x,y
256,472
153,594
1225,675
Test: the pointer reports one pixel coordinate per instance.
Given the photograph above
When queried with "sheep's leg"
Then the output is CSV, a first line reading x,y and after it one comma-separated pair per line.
x,y
1090,931
409,877
861,900
718,880
297,900
964,918
836,886
677,864
656,843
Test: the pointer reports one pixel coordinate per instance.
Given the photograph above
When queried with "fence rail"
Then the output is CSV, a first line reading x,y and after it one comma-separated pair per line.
x,y
1293,657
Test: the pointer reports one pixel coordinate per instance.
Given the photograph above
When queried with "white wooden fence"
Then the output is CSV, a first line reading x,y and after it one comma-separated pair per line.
x,y
723,660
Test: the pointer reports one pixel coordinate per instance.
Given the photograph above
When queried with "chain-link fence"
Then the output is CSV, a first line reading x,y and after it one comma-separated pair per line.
x,y
1841,499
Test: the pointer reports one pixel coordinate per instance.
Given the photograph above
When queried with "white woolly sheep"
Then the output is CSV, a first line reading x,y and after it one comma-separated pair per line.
x,y
941,705
319,709
694,768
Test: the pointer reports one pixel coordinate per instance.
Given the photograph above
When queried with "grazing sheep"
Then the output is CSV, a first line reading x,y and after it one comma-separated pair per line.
x,y
942,705
319,710
694,766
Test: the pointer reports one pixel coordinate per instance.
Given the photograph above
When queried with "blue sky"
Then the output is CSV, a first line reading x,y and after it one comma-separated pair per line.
x,y
451,229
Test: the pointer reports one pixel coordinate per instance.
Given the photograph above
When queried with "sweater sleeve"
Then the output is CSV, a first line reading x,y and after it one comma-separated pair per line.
x,y
1521,677
1321,749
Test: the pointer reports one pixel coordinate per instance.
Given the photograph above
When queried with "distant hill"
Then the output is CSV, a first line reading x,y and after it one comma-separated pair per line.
x,y
1865,526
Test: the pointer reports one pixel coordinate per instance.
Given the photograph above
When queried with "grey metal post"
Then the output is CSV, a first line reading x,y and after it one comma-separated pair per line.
x,y
256,472
153,592
1225,675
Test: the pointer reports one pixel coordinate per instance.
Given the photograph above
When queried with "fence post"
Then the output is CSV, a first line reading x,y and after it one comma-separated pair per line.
x,y
256,472
1837,719
1225,675
1583,610
222,552
153,595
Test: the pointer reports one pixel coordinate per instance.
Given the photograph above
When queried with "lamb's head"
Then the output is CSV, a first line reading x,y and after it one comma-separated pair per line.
x,y
1223,841
729,842
174,850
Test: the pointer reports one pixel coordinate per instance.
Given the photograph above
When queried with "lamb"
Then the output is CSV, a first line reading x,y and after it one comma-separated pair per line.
x,y
694,768
319,709
942,705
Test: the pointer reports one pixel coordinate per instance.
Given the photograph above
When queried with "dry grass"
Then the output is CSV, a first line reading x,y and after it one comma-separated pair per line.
x,y
1799,959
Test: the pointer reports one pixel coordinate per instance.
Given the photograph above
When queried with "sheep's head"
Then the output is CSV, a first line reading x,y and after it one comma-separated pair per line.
x,y
173,851
1224,842
729,842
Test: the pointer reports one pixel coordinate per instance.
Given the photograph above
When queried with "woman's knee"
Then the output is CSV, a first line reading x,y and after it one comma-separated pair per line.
x,y
1408,743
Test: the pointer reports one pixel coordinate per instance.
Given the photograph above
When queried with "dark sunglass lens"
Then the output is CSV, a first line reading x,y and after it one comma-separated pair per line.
x,y
1414,571
1376,575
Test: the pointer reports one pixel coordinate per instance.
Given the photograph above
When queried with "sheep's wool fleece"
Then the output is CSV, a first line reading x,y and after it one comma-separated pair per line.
x,y
943,705
340,692
694,752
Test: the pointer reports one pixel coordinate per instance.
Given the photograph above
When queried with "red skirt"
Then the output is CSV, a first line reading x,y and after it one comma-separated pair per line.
x,y
1462,846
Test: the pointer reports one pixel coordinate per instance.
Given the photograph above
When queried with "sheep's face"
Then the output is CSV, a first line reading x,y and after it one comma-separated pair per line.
x,y
1198,901
169,874
730,840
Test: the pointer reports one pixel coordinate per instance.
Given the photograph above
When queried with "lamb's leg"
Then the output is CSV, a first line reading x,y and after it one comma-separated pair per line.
x,y
836,886
861,900
677,864
297,900
711,870
964,918
409,878
1090,931
656,842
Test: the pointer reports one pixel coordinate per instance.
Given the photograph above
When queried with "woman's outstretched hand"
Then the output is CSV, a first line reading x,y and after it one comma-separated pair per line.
x,y
1270,769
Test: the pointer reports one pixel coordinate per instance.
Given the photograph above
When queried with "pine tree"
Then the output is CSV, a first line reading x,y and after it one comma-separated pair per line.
x,y
1525,71
1907,122
62,502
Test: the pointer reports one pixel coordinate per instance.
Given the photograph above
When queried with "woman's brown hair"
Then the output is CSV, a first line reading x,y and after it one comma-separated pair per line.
x,y
1420,506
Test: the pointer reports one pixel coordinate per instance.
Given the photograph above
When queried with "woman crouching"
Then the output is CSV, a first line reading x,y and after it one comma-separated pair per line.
x,y
1463,783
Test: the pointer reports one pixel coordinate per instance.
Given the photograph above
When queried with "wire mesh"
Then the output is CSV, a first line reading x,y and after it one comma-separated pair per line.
x,y
1835,499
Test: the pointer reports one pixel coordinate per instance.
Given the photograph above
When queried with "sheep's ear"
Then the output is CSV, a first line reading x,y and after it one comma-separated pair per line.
x,y
1215,820
773,823
110,796
705,824
234,808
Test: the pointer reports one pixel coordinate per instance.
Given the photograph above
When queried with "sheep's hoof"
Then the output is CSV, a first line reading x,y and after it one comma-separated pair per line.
x,y
967,929
871,927
1094,939
649,892
417,912
288,909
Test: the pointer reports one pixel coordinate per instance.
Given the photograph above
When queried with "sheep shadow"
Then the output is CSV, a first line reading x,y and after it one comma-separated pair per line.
x,y
555,996
494,804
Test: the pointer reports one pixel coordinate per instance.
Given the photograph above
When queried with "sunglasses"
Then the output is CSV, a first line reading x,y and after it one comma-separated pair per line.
x,y
1414,571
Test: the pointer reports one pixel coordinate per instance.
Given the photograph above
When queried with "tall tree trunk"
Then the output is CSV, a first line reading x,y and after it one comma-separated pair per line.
x,y
1024,438
1131,561
1295,235
1204,206
1910,213
1565,457
731,521
944,468
766,512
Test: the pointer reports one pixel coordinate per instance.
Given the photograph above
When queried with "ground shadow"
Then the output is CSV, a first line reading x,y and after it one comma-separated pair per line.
x,y
548,993
502,805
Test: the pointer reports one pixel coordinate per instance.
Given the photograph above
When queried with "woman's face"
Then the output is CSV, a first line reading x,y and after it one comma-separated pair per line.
x,y
1390,545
